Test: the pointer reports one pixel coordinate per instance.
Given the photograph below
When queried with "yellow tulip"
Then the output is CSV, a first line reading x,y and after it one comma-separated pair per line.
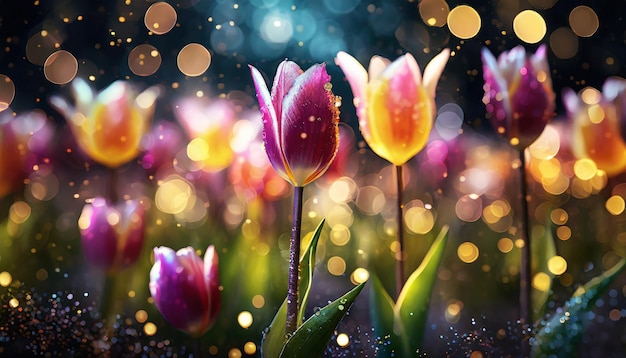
x,y
108,127
395,105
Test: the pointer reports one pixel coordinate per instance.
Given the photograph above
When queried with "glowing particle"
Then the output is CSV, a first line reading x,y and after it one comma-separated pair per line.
x,y
160,18
245,319
336,265
464,22
584,21
359,275
193,60
434,12
585,169
258,301
144,60
468,252
150,329
5,279
541,282
615,205
7,92
141,316
249,348
557,265
529,26
343,340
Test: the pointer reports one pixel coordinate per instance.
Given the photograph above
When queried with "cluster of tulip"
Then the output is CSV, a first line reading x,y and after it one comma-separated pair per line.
x,y
300,131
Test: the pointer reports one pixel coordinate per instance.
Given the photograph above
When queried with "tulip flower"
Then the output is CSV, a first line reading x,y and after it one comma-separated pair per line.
x,y
596,121
112,235
108,127
185,288
518,94
24,140
395,105
209,126
396,109
519,102
300,120
301,137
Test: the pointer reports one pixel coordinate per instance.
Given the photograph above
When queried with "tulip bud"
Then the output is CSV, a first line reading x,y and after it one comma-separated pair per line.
x,y
300,120
185,288
395,105
518,94
597,118
108,127
112,236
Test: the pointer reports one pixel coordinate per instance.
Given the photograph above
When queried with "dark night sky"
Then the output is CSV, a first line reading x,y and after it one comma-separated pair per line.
x,y
363,32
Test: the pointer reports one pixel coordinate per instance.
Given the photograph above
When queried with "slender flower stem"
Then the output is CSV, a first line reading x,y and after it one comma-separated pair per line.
x,y
294,262
525,271
111,185
400,253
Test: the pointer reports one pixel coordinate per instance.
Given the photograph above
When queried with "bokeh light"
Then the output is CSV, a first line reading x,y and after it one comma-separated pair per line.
x,y
245,319
529,26
615,205
160,18
468,252
557,265
193,59
60,67
7,92
583,21
464,22
144,60
434,12
343,340
564,43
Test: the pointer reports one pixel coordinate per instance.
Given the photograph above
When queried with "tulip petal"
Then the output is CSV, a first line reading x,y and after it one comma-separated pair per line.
x,y
130,232
433,71
400,113
178,289
98,237
212,282
571,102
83,93
377,66
532,108
496,96
357,77
286,75
309,126
271,125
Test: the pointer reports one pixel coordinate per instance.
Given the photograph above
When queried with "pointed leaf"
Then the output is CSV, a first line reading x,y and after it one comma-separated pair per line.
x,y
307,265
381,310
543,250
561,334
274,337
311,338
412,306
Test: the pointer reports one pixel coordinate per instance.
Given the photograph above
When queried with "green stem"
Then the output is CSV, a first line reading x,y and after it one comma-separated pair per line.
x,y
112,185
294,263
400,253
525,271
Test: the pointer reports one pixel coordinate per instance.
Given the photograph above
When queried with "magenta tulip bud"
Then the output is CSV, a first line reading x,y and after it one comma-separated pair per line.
x,y
112,236
518,94
185,288
300,120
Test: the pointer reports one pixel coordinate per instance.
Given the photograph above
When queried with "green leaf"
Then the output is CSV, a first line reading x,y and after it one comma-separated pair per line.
x,y
274,337
307,265
381,310
411,310
311,338
543,250
560,335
